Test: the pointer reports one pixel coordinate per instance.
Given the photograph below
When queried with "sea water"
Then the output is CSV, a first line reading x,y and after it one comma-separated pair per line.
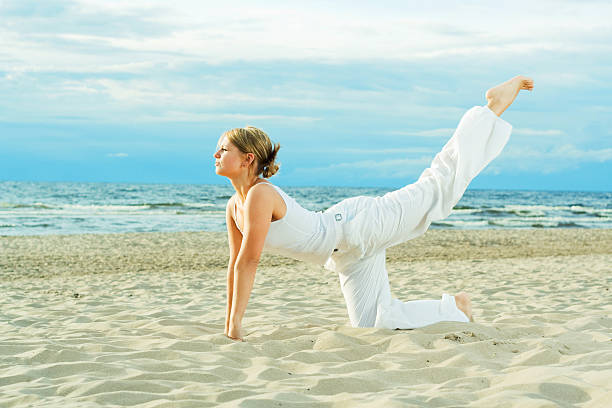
x,y
40,208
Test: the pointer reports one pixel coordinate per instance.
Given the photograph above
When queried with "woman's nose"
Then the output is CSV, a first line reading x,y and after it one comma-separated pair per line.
x,y
216,155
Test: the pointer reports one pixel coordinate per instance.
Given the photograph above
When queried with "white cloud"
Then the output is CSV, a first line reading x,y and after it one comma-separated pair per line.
x,y
119,155
177,116
574,153
549,79
79,87
537,132
181,100
370,169
431,91
546,161
513,159
398,150
442,132
316,31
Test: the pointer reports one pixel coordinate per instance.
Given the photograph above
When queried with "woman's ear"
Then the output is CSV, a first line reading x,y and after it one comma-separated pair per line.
x,y
250,158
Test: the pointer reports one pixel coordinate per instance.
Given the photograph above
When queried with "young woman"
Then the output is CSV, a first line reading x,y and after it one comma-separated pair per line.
x,y
350,238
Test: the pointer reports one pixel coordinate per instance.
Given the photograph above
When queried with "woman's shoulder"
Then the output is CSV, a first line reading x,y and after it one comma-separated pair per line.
x,y
266,194
263,190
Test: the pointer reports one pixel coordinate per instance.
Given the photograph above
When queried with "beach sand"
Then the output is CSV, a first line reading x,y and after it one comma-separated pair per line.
x,y
137,320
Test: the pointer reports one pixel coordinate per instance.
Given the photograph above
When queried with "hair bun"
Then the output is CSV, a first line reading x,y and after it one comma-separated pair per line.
x,y
271,167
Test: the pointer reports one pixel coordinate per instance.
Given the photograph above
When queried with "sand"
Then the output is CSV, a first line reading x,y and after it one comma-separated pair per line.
x,y
137,320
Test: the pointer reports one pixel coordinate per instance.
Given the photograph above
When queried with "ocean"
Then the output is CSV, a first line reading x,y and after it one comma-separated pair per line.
x,y
42,208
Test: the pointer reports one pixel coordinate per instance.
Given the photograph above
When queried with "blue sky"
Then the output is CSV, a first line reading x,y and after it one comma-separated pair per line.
x,y
357,93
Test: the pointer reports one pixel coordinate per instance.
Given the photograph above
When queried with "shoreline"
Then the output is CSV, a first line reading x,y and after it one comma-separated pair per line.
x,y
48,255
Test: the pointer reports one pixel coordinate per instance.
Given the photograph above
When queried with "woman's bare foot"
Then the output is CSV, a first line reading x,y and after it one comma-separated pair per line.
x,y
501,96
235,332
464,304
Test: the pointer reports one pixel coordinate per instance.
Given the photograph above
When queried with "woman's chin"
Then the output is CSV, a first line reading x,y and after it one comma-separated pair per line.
x,y
220,172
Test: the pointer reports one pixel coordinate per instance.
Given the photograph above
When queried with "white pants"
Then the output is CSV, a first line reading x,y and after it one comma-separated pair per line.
x,y
369,225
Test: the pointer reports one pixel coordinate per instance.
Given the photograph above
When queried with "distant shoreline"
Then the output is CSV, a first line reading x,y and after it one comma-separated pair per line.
x,y
285,185
185,252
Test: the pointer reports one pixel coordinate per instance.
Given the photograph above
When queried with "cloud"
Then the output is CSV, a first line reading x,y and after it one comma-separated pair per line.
x,y
10,76
369,169
215,96
560,158
550,78
30,8
573,153
430,91
398,150
118,155
442,132
547,161
221,33
536,132
177,116
79,87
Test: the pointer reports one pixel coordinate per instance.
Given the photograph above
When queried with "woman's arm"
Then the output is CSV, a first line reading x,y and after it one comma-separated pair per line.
x,y
234,238
258,209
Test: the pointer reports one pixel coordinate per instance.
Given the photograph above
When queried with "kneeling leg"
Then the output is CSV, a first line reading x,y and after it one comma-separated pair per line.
x,y
365,286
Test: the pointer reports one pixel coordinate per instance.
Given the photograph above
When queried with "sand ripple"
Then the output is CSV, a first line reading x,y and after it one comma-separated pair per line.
x,y
542,337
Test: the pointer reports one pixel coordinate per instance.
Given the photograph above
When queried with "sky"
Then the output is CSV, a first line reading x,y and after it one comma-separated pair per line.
x,y
358,93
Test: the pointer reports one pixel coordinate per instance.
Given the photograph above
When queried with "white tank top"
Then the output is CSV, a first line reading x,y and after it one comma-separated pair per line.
x,y
301,234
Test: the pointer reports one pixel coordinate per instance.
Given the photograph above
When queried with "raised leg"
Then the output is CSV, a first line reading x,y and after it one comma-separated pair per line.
x,y
407,213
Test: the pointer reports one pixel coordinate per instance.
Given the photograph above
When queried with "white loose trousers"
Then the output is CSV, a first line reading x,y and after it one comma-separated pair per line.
x,y
366,226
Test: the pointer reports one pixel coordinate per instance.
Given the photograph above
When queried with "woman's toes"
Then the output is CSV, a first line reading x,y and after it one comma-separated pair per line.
x,y
527,83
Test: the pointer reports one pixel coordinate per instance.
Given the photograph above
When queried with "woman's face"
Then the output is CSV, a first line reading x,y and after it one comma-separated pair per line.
x,y
228,159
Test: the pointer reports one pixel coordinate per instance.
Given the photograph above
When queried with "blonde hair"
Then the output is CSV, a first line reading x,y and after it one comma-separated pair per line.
x,y
250,139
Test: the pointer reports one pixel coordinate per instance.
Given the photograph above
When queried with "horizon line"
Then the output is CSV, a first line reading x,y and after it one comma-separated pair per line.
x,y
294,186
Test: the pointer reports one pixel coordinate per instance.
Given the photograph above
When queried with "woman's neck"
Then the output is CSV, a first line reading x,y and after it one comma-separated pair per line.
x,y
242,186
